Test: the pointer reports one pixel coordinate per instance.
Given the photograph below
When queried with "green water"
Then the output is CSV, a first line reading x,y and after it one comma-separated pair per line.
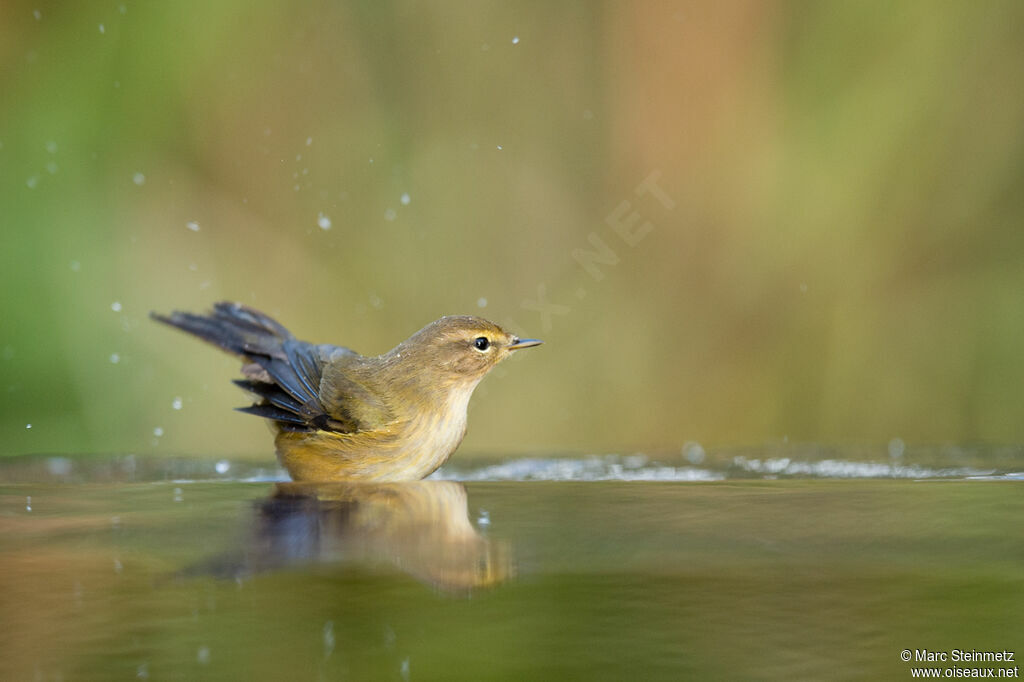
x,y
108,578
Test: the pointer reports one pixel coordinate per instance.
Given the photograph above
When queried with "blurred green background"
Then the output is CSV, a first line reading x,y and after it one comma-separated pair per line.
x,y
843,259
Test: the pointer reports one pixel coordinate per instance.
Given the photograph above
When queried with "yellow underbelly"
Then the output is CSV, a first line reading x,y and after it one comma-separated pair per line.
x,y
406,452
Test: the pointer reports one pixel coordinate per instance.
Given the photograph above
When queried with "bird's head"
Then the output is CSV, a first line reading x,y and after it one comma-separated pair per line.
x,y
460,348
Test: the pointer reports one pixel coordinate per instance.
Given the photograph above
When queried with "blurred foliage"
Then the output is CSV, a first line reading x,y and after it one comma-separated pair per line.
x,y
843,262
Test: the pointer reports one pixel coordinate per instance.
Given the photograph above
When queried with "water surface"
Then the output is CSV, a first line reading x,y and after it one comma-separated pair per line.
x,y
540,568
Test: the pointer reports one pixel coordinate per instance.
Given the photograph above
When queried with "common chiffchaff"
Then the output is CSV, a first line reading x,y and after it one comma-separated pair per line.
x,y
339,415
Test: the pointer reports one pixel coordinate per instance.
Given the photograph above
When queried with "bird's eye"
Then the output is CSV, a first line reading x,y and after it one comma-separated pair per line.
x,y
481,343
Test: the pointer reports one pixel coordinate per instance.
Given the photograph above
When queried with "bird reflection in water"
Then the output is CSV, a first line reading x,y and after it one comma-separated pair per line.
x,y
422,527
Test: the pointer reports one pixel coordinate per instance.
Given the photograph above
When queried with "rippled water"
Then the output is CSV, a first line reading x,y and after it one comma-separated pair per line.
x,y
794,563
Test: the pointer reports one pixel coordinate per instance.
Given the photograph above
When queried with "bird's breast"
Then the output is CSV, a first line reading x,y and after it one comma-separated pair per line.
x,y
434,435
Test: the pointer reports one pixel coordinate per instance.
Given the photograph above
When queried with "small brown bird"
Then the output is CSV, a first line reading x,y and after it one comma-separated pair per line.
x,y
339,415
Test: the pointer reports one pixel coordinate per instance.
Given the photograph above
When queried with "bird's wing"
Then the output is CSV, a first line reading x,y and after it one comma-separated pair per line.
x,y
350,398
283,371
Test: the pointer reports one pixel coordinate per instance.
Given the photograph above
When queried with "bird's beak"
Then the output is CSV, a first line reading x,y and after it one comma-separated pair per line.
x,y
524,343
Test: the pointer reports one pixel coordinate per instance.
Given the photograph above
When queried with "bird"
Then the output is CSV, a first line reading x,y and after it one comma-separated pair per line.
x,y
341,416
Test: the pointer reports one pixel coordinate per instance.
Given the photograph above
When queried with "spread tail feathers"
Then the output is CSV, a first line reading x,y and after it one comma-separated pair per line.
x,y
233,327
282,370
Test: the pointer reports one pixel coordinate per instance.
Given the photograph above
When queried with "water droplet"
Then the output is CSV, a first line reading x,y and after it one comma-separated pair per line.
x,y
223,466
139,179
115,358
328,638
32,181
323,221
122,9
484,518
28,426
390,214
51,147
896,448
693,452
515,41
499,147
102,29
51,168
28,503
203,655
116,306
178,497
37,14
158,431
176,403
192,225
75,266
309,141
405,199
481,302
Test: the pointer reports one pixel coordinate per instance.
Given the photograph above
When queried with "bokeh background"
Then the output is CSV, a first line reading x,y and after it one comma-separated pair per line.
x,y
836,254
